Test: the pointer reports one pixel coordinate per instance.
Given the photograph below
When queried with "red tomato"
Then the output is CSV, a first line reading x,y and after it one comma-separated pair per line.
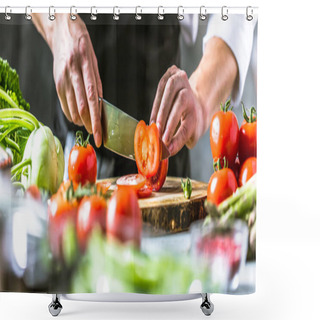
x,y
235,167
61,212
248,169
222,184
144,192
82,164
224,134
156,182
33,192
91,213
135,181
147,149
248,136
124,220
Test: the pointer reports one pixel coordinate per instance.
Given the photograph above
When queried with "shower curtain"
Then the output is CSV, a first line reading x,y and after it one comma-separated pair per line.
x,y
128,150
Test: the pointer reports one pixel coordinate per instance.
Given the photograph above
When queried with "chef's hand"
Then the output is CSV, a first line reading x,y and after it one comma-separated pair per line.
x,y
183,108
75,71
177,111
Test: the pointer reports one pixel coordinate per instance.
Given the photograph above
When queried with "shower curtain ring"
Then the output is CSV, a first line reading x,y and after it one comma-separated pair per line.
x,y
51,13
224,13
93,16
180,15
249,13
116,13
6,13
138,15
203,13
28,13
160,14
73,16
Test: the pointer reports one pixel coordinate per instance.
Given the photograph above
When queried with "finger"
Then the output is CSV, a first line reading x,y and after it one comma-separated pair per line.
x,y
72,106
98,79
182,136
99,84
60,87
81,99
91,90
175,83
64,104
174,118
159,93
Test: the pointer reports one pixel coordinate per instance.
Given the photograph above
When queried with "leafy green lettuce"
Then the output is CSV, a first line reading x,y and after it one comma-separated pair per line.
x,y
13,136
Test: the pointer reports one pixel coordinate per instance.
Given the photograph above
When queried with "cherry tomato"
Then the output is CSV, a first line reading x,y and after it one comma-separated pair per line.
x,y
224,134
91,213
61,212
135,181
156,182
33,192
248,169
82,164
144,192
248,136
124,220
222,184
147,149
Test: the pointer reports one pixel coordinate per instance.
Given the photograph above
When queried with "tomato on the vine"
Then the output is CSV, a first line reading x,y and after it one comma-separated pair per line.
x,y
91,214
124,219
248,135
147,149
82,164
248,169
222,184
224,134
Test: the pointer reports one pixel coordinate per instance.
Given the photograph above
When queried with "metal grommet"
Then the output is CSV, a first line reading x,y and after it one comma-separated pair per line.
x,y
116,13
73,16
160,14
6,13
203,13
93,16
51,13
138,15
180,15
249,13
224,13
27,15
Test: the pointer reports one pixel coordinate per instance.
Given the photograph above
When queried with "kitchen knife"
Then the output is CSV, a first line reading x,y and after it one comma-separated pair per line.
x,y
118,130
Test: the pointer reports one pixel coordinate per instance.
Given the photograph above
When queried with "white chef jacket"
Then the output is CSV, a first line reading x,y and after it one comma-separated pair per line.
x,y
238,34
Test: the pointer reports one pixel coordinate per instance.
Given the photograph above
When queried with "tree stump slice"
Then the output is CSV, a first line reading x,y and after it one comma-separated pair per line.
x,y
167,211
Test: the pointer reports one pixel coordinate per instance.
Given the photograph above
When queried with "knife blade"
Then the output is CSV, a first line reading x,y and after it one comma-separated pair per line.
x,y
118,129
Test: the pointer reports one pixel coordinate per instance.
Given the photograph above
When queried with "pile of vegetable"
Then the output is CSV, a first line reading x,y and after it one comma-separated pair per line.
x,y
95,235
83,204
231,190
37,154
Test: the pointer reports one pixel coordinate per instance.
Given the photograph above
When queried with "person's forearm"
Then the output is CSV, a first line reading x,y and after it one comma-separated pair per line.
x,y
75,70
213,80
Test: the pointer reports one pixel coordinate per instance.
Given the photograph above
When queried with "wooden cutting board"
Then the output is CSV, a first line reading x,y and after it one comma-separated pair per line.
x,y
168,211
